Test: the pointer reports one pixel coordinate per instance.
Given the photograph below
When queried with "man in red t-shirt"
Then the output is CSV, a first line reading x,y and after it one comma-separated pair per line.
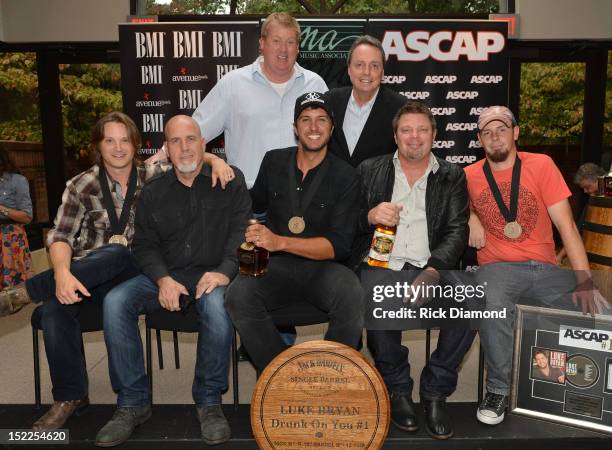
x,y
515,197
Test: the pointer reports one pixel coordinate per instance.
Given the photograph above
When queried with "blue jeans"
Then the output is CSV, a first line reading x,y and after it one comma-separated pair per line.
x,y
99,271
508,284
124,304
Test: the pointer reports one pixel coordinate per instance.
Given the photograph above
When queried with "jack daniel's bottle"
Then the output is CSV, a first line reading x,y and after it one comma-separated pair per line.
x,y
252,260
382,244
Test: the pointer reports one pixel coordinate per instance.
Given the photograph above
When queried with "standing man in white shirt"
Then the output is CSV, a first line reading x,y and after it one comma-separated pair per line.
x,y
254,105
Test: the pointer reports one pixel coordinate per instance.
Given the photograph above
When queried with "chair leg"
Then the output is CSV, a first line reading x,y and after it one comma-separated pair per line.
x,y
480,373
160,355
36,356
177,363
235,371
149,362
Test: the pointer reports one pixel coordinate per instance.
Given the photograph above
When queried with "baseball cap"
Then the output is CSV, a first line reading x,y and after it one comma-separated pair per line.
x,y
312,99
492,113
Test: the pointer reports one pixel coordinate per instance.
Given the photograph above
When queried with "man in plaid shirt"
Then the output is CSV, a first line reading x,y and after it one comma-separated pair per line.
x,y
85,264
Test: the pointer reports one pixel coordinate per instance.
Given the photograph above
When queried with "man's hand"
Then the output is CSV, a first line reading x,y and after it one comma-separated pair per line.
x,y
385,213
67,286
589,298
262,237
169,293
221,172
210,281
160,156
427,277
477,232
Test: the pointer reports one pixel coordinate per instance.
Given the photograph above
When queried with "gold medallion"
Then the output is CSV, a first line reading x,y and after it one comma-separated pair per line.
x,y
118,239
513,230
296,224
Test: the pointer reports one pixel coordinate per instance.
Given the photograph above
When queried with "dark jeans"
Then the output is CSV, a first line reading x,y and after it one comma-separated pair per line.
x,y
99,272
439,376
329,286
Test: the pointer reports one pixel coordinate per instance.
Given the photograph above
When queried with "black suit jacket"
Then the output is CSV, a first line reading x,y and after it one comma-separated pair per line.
x,y
377,135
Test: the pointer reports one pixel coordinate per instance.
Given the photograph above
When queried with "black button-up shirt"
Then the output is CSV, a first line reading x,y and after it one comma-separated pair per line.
x,y
186,231
334,208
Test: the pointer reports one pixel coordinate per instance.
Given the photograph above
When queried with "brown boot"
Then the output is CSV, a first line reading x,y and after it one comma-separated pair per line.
x,y
13,299
60,411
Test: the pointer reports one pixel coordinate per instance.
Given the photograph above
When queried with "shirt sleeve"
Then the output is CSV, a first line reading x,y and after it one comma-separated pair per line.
x,y
146,244
67,224
343,220
239,217
24,201
552,185
259,191
212,114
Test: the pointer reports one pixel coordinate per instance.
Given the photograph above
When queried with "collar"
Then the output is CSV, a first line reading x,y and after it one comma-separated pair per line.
x,y
366,105
298,71
432,165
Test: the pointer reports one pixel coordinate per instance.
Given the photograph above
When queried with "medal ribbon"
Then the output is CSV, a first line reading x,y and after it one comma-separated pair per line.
x,y
117,225
299,207
509,214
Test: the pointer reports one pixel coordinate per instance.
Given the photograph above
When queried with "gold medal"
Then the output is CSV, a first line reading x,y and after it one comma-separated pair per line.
x,y
296,224
118,239
513,230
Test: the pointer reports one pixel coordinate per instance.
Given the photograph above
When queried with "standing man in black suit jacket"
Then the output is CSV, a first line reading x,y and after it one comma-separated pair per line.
x,y
364,111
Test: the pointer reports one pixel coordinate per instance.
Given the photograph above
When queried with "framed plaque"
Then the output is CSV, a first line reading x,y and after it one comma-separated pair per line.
x,y
320,394
563,367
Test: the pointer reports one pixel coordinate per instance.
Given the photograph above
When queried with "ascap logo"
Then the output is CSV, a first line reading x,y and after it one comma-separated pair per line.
x,y
586,335
457,126
443,144
393,79
440,79
461,159
461,95
486,79
421,45
476,111
592,339
415,95
443,111
474,144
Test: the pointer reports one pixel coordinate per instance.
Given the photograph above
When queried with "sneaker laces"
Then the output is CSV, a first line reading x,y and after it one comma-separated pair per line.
x,y
494,400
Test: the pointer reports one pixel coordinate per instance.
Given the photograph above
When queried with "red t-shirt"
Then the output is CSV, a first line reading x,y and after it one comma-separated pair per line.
x,y
541,186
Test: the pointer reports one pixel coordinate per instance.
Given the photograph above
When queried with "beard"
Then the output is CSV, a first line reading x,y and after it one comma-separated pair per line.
x,y
498,156
311,149
187,168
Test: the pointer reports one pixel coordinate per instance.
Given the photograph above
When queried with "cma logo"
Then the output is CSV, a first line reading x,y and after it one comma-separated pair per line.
x,y
415,95
486,79
585,335
421,45
393,79
458,126
461,159
443,144
440,79
443,111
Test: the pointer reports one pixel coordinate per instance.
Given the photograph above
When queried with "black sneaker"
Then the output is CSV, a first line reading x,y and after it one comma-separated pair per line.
x,y
492,409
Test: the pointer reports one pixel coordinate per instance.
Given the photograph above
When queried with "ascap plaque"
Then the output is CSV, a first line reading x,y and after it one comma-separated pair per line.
x,y
563,367
320,394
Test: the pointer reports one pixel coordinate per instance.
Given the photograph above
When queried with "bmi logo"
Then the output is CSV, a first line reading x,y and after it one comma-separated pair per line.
x,y
153,123
151,74
189,98
188,44
150,44
227,44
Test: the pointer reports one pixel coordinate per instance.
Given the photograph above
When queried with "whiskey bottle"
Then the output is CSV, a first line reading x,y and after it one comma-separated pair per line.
x,y
252,260
382,245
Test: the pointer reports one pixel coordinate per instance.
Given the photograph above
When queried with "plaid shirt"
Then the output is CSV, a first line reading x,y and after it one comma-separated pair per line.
x,y
82,221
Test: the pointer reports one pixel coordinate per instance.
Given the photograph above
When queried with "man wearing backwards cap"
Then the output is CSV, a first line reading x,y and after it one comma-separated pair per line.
x,y
312,201
515,197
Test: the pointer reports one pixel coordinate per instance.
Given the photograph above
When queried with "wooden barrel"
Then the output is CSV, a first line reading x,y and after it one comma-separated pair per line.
x,y
597,237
